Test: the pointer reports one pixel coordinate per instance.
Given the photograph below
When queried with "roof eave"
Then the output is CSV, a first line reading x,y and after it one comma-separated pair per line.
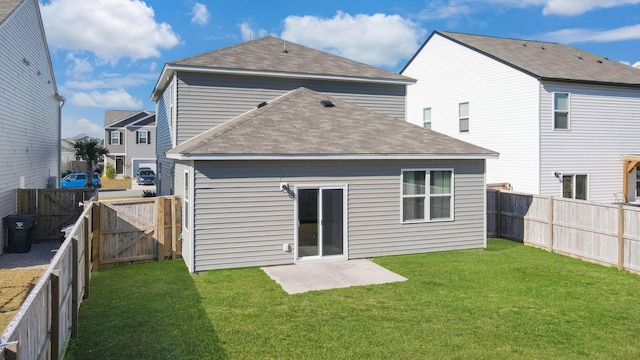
x,y
589,82
169,69
240,157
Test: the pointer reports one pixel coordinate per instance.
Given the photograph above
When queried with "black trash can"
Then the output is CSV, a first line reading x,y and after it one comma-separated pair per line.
x,y
20,232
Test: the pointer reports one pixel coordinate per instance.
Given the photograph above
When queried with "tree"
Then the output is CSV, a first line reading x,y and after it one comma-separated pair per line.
x,y
90,150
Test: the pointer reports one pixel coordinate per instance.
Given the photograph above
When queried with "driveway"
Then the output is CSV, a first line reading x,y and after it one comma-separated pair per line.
x,y
135,191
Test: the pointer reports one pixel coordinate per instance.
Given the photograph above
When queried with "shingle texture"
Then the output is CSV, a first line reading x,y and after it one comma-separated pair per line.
x,y
112,116
266,54
298,124
7,7
550,61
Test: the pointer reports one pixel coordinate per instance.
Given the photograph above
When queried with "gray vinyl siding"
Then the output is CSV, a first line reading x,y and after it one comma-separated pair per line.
x,y
164,185
206,100
29,112
243,219
139,151
604,124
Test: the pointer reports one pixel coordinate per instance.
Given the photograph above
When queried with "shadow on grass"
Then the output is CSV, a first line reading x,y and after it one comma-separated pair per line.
x,y
495,244
145,311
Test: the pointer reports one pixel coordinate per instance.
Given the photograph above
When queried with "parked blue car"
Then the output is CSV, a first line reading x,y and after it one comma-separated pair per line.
x,y
146,177
78,180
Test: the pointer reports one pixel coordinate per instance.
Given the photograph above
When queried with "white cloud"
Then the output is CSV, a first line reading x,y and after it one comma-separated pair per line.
x,y
110,29
379,39
112,99
111,81
578,35
444,10
200,14
72,127
567,7
79,66
250,34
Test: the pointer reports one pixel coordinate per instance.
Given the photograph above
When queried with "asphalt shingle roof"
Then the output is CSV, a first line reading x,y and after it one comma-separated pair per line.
x,y
549,61
266,54
298,124
7,7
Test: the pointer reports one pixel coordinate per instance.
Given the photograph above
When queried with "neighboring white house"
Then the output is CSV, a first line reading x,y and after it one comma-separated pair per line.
x,y
130,137
30,106
561,118
284,154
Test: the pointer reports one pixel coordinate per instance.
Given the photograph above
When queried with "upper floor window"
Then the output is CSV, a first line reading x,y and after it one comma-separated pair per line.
x,y
115,138
143,137
426,118
574,186
561,111
427,203
463,115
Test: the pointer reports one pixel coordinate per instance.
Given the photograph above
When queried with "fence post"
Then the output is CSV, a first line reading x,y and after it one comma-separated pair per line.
x,y
75,280
550,228
96,244
54,280
174,228
160,235
620,237
499,213
87,241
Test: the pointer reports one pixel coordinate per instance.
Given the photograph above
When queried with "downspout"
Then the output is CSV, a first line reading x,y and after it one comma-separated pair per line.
x,y
61,100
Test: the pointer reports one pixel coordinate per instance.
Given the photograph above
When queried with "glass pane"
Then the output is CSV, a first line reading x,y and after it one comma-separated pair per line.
x,y
440,182
567,186
440,207
413,182
413,209
464,110
464,125
581,187
332,222
561,101
426,114
427,125
308,222
561,120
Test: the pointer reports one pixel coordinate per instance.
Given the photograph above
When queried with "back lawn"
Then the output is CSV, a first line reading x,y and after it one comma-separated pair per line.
x,y
507,301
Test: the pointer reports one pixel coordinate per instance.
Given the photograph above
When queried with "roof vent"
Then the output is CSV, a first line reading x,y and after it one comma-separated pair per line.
x,y
284,48
580,56
599,61
524,43
262,104
542,45
326,103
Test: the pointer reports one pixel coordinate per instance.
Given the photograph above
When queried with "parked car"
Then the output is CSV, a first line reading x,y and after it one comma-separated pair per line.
x,y
146,177
79,180
143,169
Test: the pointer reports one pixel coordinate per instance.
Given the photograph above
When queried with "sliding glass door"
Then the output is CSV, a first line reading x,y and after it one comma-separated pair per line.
x,y
320,222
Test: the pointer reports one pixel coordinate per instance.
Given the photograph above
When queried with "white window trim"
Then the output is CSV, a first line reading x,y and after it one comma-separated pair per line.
x,y
424,121
553,109
468,117
427,196
111,137
139,135
573,184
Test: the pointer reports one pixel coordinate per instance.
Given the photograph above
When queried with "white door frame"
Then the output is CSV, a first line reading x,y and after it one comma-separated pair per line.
x,y
345,225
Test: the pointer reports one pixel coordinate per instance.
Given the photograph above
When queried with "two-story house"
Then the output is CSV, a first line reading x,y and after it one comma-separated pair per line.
x,y
284,154
130,138
30,106
561,118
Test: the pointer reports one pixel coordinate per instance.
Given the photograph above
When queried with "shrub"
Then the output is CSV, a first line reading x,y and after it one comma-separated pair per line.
x,y
110,172
148,193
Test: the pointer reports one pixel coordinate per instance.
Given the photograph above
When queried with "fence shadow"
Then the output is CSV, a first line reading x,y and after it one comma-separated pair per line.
x,y
149,310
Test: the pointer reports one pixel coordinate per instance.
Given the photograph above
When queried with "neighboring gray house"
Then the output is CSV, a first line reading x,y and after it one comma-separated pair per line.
x,y
289,156
130,138
69,160
561,118
30,106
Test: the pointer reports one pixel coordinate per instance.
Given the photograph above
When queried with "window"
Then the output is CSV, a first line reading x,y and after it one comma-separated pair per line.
x,y
561,111
574,187
185,205
426,118
143,137
115,138
463,115
426,203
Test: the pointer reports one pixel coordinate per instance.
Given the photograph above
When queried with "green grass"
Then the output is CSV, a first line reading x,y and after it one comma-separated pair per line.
x,y
504,302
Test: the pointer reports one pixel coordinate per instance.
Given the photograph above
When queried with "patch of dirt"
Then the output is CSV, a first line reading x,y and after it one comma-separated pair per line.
x,y
15,285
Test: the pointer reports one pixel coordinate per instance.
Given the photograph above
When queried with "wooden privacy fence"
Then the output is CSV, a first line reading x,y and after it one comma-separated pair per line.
x,y
138,230
107,233
48,318
603,233
54,208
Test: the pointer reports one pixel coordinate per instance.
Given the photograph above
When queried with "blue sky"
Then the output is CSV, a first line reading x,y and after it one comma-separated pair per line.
x,y
108,54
